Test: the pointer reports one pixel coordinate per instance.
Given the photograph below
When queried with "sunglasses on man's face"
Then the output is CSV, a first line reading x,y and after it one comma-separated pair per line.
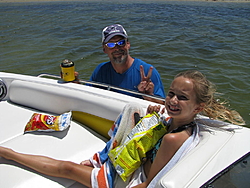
x,y
119,43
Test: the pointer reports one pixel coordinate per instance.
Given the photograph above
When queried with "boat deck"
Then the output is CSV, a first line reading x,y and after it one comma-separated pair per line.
x,y
71,144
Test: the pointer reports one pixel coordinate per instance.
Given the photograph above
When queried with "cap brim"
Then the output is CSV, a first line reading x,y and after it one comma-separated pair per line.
x,y
114,34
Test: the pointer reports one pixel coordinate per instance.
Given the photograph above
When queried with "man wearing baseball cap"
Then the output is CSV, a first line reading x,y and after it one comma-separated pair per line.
x,y
123,70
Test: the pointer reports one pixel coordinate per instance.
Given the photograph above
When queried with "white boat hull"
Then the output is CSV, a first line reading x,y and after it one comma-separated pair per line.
x,y
94,111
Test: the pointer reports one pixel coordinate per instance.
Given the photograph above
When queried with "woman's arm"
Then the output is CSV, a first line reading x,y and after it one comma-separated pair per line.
x,y
49,166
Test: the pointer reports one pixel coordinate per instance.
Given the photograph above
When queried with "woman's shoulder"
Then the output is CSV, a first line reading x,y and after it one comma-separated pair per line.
x,y
176,139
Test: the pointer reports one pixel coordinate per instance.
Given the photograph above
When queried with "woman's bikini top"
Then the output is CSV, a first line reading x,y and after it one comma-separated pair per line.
x,y
152,153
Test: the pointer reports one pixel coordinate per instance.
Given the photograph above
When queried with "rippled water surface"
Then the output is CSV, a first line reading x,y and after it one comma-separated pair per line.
x,y
212,37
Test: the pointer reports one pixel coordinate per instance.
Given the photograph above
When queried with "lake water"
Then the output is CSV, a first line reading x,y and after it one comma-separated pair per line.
x,y
212,37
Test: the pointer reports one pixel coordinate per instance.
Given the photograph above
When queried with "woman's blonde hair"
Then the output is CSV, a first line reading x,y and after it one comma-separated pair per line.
x,y
205,93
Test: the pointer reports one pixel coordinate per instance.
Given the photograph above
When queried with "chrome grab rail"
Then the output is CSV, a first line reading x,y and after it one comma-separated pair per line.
x,y
108,87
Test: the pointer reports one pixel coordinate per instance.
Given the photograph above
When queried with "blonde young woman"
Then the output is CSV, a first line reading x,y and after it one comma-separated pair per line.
x,y
190,94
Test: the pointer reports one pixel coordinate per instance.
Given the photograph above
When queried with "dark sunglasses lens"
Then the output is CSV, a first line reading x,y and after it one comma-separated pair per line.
x,y
111,44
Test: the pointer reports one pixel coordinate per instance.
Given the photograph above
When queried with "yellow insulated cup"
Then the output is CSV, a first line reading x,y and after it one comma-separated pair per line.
x,y
68,70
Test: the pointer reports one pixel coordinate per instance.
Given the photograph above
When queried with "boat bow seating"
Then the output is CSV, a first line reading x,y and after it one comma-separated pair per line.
x,y
56,99
90,107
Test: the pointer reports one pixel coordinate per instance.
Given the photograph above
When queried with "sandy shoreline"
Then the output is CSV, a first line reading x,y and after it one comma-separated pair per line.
x,y
13,1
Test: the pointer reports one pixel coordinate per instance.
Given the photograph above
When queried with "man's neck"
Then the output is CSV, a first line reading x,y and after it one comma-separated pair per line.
x,y
123,67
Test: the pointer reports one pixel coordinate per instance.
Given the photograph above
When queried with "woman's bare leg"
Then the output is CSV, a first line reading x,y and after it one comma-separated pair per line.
x,y
51,167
